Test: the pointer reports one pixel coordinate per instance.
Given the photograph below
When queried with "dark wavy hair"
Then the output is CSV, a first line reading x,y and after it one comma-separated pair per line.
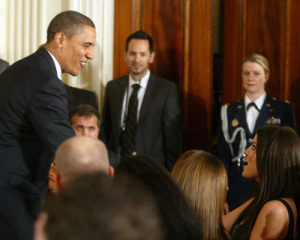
x,y
278,166
179,218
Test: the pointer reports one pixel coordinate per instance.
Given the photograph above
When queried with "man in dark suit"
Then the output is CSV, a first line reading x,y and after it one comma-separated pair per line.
x,y
3,65
158,132
34,119
78,96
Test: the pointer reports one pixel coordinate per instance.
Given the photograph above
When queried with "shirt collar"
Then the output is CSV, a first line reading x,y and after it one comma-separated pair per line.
x,y
259,102
57,66
143,82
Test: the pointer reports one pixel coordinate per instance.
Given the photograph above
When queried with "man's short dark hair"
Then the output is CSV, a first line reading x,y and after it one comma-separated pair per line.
x,y
84,110
94,206
70,23
140,35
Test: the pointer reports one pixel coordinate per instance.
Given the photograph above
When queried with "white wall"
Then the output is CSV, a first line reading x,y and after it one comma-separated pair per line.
x,y
23,28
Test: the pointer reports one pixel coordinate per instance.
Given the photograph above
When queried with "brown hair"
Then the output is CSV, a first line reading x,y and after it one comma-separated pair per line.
x,y
203,179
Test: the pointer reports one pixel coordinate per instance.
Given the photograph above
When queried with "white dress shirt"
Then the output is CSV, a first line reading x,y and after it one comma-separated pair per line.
x,y
57,66
252,113
141,93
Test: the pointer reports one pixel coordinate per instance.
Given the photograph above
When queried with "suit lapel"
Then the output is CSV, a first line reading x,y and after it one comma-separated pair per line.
x,y
45,54
149,95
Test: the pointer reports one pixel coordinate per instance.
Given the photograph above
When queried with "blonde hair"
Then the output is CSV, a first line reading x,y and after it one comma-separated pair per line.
x,y
260,59
203,179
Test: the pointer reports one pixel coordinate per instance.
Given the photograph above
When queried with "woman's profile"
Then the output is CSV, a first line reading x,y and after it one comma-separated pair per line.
x,y
273,161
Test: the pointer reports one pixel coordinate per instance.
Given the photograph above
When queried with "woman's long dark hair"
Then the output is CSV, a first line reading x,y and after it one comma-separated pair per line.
x,y
278,166
180,220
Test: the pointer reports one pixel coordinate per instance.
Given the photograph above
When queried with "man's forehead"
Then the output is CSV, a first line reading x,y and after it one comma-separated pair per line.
x,y
137,43
85,118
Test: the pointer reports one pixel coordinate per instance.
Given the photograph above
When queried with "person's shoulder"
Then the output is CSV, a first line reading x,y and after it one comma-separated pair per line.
x,y
234,106
3,62
272,221
79,90
161,79
276,211
117,80
162,82
274,207
278,102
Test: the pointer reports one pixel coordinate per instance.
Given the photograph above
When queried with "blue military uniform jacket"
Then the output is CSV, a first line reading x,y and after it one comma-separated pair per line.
x,y
273,111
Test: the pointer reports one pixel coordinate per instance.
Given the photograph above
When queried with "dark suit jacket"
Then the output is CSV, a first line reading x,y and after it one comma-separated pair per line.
x,y
159,130
239,187
33,123
78,96
3,65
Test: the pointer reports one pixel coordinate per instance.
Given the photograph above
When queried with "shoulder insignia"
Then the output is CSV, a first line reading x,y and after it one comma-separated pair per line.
x,y
234,122
286,101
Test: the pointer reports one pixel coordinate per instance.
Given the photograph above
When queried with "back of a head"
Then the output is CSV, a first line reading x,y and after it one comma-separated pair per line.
x,y
203,178
180,219
69,22
96,207
80,154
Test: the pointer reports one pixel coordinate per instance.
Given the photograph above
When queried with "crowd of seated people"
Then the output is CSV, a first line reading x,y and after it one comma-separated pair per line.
x,y
186,204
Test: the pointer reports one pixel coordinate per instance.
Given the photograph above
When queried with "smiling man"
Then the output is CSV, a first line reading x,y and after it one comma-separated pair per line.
x,y
34,119
142,112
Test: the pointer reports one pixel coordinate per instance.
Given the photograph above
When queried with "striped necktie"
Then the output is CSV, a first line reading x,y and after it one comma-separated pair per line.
x,y
128,135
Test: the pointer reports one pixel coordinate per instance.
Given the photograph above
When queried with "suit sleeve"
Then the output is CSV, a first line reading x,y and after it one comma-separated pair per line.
x,y
172,127
105,128
48,115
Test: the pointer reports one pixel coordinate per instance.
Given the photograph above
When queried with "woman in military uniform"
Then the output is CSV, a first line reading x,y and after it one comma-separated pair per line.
x,y
240,120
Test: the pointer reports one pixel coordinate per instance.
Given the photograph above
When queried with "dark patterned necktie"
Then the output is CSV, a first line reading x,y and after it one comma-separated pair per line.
x,y
128,135
252,104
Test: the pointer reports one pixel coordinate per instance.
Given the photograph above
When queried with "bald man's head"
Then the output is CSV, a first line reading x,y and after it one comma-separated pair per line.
x,y
79,155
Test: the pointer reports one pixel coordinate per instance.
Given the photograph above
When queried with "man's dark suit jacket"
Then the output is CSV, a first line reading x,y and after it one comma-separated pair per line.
x,y
33,123
159,130
272,111
3,65
78,96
